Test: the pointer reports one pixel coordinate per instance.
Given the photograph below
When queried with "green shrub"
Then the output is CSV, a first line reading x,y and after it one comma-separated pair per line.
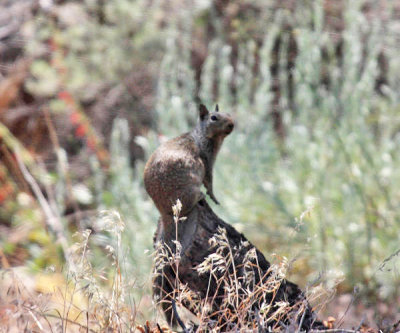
x,y
324,193
337,160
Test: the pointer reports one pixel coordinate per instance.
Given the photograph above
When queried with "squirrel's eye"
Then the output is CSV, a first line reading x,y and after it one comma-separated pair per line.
x,y
214,118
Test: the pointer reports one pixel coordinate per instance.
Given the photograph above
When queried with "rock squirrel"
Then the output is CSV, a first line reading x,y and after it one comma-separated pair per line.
x,y
179,166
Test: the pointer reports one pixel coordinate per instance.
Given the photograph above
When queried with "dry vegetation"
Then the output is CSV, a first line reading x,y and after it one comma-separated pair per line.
x,y
89,88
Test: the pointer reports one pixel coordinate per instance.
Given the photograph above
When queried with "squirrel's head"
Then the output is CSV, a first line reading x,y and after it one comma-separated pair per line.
x,y
215,124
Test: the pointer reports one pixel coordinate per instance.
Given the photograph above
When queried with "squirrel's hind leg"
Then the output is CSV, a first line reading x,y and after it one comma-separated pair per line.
x,y
190,199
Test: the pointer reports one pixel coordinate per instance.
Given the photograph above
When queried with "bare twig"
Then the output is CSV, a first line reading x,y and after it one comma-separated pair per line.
x,y
21,182
52,219
35,319
68,320
179,320
353,297
361,323
62,164
384,262
301,321
396,325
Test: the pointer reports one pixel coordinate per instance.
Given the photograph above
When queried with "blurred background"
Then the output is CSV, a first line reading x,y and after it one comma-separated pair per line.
x,y
88,89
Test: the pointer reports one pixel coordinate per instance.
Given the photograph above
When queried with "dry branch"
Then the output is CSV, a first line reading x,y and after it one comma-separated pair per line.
x,y
52,218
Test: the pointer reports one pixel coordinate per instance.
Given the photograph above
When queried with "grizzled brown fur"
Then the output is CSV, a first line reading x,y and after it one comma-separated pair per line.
x,y
178,168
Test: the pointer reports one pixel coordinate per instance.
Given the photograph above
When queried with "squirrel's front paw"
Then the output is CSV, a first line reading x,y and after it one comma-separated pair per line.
x,y
213,197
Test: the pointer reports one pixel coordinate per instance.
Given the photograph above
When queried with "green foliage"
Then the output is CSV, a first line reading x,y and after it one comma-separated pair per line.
x,y
326,193
96,42
338,159
128,196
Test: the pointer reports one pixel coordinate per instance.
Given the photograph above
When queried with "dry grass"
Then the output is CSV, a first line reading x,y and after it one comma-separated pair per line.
x,y
85,300
245,305
81,299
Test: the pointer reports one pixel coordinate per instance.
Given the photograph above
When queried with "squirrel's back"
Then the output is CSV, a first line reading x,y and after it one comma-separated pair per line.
x,y
175,171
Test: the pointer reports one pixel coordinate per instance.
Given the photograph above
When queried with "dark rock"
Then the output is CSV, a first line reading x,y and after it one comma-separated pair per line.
x,y
251,272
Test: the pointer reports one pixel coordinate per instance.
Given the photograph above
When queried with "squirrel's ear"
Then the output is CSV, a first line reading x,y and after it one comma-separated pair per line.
x,y
203,111
216,108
